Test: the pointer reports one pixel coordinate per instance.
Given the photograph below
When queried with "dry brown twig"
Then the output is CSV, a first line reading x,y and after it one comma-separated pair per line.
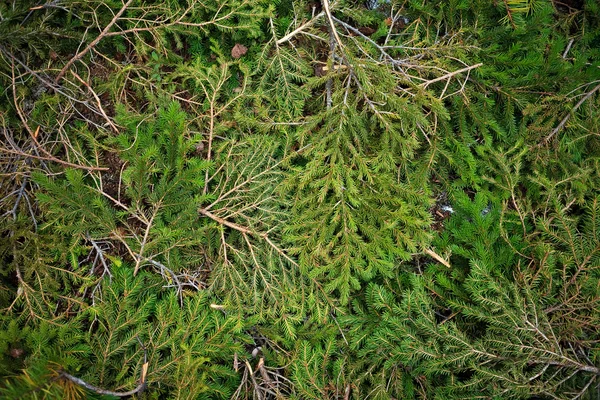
x,y
34,135
263,382
93,43
98,102
564,121
300,29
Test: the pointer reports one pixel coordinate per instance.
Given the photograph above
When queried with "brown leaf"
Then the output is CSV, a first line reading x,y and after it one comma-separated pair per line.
x,y
16,353
238,50
320,70
366,30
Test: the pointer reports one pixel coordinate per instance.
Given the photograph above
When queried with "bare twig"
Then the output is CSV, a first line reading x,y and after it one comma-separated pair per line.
x,y
509,13
570,114
100,254
437,257
229,224
34,135
568,48
112,125
140,387
94,42
368,39
98,390
50,157
450,75
148,223
302,27
330,18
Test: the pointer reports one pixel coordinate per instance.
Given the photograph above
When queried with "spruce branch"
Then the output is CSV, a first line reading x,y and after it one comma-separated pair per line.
x,y
172,21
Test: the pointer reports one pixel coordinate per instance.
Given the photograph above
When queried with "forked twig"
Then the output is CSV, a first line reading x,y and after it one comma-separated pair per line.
x,y
450,75
87,85
93,43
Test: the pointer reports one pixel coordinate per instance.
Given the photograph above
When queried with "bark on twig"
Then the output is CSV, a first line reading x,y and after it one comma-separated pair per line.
x,y
437,257
98,390
246,231
87,85
330,18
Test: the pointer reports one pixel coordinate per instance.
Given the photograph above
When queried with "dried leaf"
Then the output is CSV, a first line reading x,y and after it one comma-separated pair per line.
x,y
238,50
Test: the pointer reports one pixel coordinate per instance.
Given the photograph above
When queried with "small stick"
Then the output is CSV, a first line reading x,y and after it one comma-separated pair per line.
x,y
140,388
97,101
568,116
98,390
93,43
330,18
290,35
451,74
568,48
48,157
437,257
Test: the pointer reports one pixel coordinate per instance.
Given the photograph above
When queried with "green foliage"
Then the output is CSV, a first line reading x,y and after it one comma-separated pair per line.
x,y
149,207
107,343
295,199
312,371
504,336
